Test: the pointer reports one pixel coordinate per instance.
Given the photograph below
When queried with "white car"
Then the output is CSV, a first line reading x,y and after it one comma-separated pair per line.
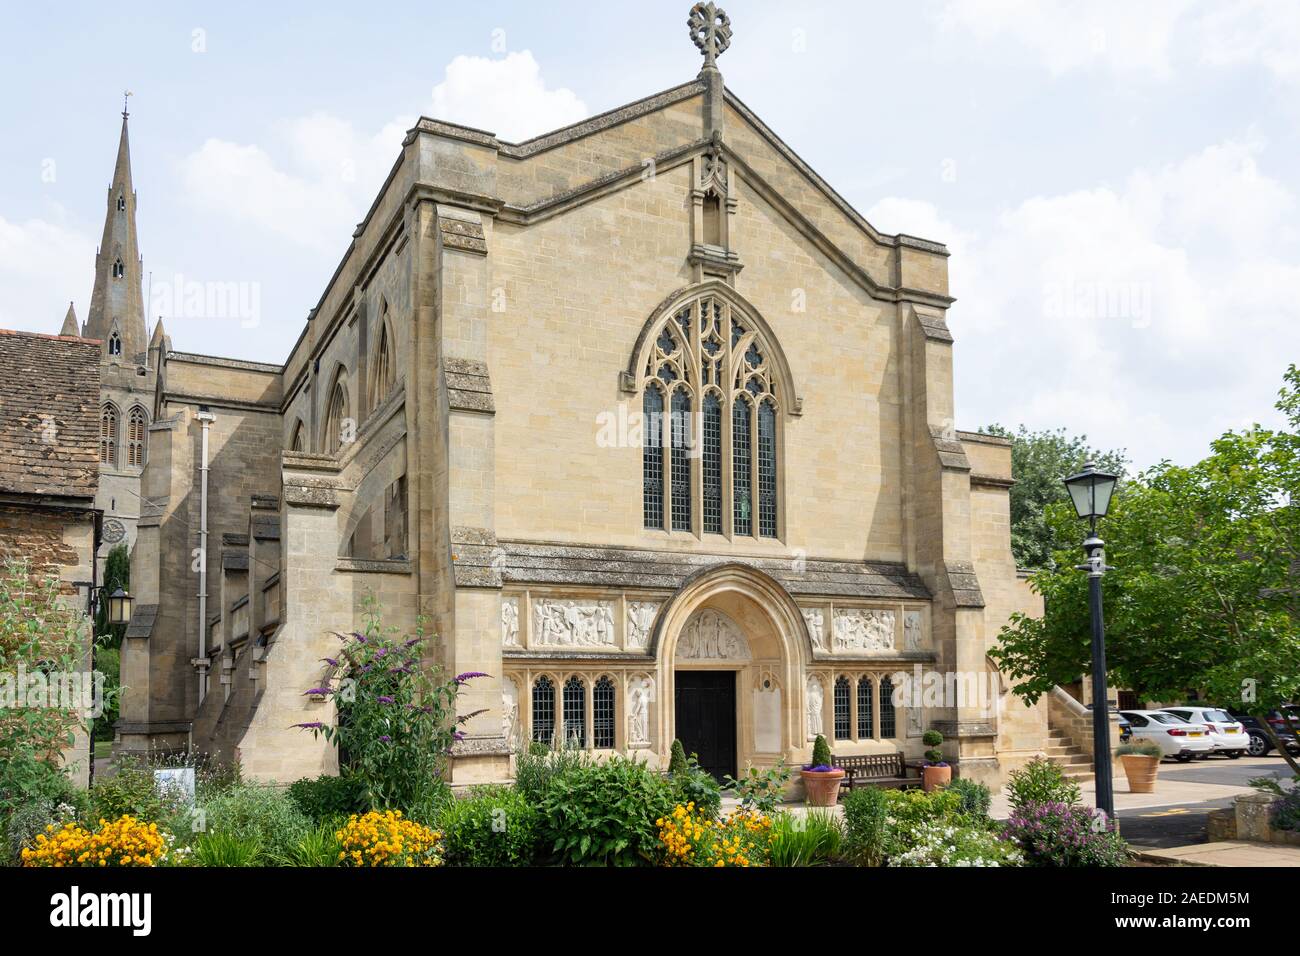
x,y
1229,736
1176,738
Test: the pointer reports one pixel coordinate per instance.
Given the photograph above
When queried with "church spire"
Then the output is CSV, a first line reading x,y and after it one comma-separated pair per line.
x,y
70,322
117,305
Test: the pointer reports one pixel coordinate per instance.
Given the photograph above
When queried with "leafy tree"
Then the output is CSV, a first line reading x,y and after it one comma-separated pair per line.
x,y
1039,460
1204,593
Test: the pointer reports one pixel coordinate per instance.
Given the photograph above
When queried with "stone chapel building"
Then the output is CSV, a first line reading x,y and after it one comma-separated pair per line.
x,y
644,418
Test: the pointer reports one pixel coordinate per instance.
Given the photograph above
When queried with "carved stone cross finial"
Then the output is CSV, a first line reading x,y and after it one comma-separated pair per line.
x,y
710,30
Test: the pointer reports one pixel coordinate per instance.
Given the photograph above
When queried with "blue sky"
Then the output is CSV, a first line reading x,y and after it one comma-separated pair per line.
x,y
1116,181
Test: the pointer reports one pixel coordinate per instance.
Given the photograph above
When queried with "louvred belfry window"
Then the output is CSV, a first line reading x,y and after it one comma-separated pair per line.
x,y
712,418
135,431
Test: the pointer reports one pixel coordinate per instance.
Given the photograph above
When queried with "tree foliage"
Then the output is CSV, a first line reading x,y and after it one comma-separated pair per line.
x,y
1039,460
1204,590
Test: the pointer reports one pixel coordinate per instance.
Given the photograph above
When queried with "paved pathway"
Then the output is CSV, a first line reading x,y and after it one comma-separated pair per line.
x,y
1225,853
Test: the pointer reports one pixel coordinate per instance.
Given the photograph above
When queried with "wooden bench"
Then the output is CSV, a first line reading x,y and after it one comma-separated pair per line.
x,y
875,770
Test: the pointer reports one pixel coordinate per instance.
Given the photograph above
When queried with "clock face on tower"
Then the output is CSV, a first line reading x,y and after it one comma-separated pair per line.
x,y
114,531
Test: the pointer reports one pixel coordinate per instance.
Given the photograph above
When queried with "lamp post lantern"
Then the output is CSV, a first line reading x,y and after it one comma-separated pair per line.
x,y
1090,492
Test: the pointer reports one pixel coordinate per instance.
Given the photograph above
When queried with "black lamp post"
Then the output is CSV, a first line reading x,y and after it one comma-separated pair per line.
x,y
1090,492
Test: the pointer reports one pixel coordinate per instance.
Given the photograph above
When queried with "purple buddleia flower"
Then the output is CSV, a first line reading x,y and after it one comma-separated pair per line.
x,y
386,739
469,676
385,699
317,692
311,725
382,652
332,662
457,735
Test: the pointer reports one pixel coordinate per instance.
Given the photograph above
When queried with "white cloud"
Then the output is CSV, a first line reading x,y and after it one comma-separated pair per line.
x,y
1153,317
1153,37
36,259
314,184
1124,36
506,96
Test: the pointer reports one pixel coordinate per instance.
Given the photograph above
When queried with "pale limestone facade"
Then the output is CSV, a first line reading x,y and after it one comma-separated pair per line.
x,y
440,437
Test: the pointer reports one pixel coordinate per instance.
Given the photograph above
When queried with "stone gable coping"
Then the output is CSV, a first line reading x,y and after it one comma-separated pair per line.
x,y
461,235
476,558
952,455
469,388
142,620
933,326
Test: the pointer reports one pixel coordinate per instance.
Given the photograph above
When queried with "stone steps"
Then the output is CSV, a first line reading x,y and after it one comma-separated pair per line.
x,y
1074,762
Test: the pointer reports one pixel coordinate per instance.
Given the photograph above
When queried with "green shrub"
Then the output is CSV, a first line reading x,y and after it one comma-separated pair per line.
x,y
263,814
328,797
1040,781
1286,812
866,826
318,848
677,759
226,849
761,790
131,788
605,813
1058,834
30,789
821,755
492,826
934,740
1139,748
692,784
808,839
945,844
537,765
975,798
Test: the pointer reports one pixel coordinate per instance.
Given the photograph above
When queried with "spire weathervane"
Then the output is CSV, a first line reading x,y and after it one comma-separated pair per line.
x,y
126,97
710,31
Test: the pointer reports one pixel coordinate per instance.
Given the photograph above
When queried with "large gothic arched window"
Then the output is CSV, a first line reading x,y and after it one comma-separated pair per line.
x,y
709,386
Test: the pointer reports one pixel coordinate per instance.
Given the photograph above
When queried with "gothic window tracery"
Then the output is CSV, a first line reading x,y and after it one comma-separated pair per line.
x,y
108,435
712,418
136,424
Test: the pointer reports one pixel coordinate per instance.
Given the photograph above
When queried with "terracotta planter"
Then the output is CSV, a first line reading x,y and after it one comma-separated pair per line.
x,y
822,786
1141,772
932,778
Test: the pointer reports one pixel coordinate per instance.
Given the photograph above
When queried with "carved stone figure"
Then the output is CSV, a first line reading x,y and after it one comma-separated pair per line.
x,y
860,629
640,619
815,698
816,622
912,631
573,623
638,713
711,635
510,622
510,712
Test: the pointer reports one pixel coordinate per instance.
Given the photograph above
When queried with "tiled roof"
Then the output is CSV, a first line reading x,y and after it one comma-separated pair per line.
x,y
49,415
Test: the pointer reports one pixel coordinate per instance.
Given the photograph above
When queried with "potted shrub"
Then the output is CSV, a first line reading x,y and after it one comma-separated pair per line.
x,y
935,773
820,779
1141,760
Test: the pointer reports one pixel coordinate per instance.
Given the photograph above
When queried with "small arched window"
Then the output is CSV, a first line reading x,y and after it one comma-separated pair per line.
x,y
602,714
121,202
108,436
888,716
119,270
299,439
842,723
114,344
710,359
575,712
864,708
136,428
338,424
383,372
543,710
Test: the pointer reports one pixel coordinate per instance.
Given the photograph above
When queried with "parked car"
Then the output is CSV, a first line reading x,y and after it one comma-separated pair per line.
x,y
1125,730
1176,738
1260,744
1228,735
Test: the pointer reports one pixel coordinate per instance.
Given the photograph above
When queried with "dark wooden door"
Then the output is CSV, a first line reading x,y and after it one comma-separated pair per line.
x,y
706,718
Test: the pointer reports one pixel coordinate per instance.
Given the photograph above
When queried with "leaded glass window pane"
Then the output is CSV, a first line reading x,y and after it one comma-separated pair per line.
x,y
864,707
711,460
602,714
740,467
652,458
575,713
681,464
888,720
767,470
842,708
543,710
